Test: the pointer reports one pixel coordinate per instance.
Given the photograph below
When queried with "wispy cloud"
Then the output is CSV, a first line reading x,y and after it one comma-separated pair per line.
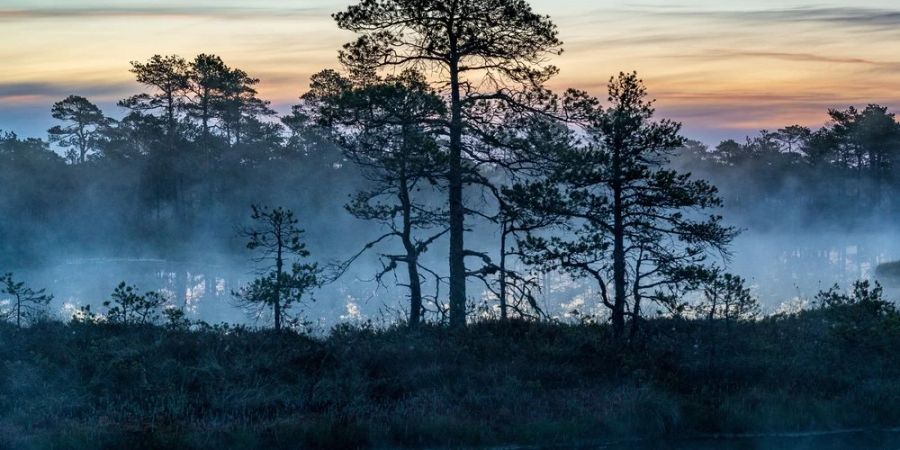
x,y
784,56
878,18
713,65
46,90
221,12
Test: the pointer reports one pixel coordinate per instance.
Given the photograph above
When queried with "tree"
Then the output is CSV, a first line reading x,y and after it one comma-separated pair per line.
x,y
793,138
726,298
83,129
239,104
25,303
36,181
866,295
515,290
128,306
821,149
277,239
730,153
879,134
208,77
528,145
867,142
859,311
170,77
481,52
631,224
383,128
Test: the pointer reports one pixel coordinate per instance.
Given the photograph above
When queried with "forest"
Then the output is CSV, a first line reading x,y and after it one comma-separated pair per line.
x,y
538,266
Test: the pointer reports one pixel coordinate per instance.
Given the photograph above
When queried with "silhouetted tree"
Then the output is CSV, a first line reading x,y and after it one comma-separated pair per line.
x,y
25,304
857,312
527,147
515,290
83,129
385,128
175,318
793,138
821,148
208,77
725,297
879,134
277,240
127,306
169,76
35,181
863,294
634,226
483,52
240,104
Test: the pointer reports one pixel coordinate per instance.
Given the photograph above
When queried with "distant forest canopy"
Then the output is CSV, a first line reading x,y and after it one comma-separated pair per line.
x,y
182,166
104,185
474,162
844,175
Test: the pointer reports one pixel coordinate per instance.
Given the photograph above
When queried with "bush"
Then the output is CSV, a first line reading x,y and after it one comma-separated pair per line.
x,y
94,385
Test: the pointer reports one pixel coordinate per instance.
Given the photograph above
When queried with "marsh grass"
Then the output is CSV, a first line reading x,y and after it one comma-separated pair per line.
x,y
86,386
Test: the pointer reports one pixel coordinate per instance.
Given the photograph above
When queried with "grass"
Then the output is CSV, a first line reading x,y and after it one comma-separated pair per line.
x,y
86,386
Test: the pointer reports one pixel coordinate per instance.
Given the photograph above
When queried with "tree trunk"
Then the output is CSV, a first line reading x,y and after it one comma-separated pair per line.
x,y
415,286
503,305
711,334
636,316
877,168
457,213
415,294
279,265
618,312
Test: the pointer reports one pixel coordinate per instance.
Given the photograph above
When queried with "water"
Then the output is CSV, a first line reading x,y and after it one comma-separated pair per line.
x,y
784,270
202,289
791,268
202,286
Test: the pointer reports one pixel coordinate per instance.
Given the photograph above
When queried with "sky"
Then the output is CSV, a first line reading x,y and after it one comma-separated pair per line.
x,y
723,68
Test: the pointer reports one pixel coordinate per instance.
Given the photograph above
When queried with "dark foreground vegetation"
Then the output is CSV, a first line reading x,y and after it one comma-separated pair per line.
x,y
466,176
94,385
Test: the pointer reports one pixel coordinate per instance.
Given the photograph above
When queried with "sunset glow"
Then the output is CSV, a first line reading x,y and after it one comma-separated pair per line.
x,y
723,69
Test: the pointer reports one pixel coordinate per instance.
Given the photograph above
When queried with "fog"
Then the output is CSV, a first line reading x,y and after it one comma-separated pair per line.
x,y
814,208
785,267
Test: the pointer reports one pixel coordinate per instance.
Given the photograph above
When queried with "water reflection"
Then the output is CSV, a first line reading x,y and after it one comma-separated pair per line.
x,y
784,270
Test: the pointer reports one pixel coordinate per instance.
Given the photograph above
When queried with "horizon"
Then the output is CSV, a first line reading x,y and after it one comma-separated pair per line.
x,y
722,71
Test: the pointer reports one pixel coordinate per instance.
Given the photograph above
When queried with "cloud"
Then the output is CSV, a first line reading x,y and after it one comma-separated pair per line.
x,y
594,43
32,92
220,12
878,18
859,19
786,56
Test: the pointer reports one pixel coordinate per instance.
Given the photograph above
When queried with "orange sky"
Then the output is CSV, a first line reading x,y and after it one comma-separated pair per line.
x,y
723,68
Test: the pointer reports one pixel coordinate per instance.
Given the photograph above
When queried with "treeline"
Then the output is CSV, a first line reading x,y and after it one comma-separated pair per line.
x,y
192,153
442,130
842,175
